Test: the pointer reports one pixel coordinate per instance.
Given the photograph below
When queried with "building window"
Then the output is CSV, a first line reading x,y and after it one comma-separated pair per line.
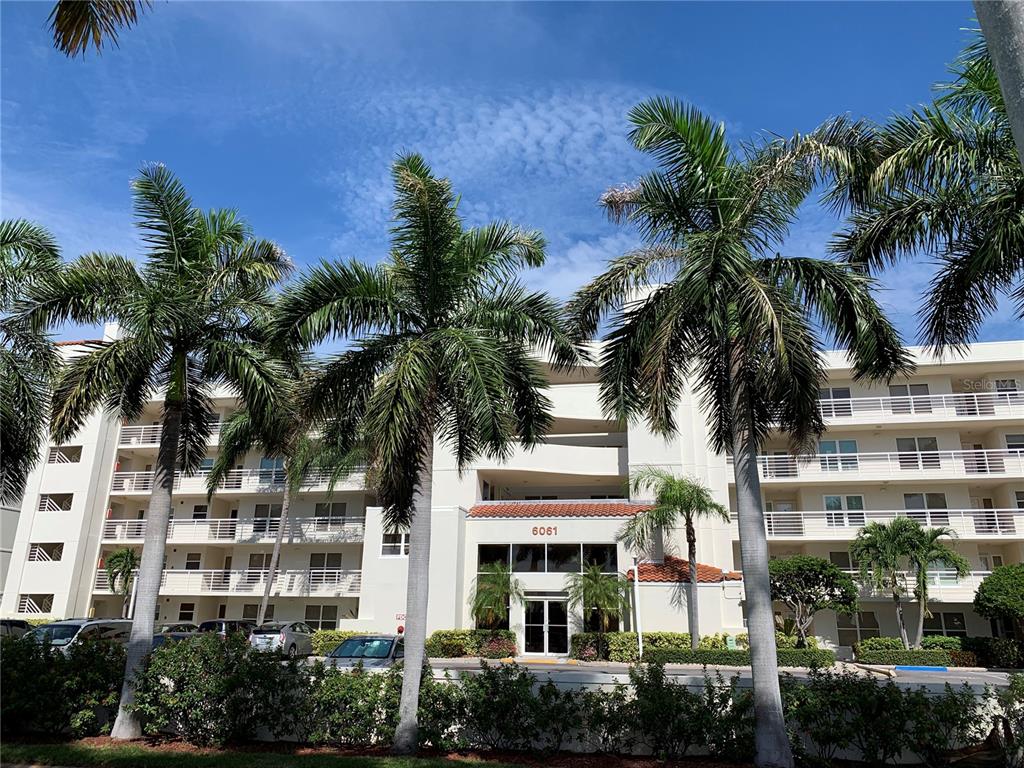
x,y
834,401
604,555
853,629
200,511
322,560
592,622
187,612
528,558
322,616
394,545
918,452
549,558
250,611
259,561
45,553
843,511
55,502
272,469
64,454
563,558
193,561
222,611
263,514
838,455
843,561
331,511
989,561
950,623
926,508
1015,443
1019,497
35,603
910,398
492,554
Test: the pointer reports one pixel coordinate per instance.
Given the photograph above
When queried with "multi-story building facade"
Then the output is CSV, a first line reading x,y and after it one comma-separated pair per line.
x,y
945,447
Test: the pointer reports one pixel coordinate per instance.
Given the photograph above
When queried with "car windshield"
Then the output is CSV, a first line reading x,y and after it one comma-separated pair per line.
x,y
210,626
269,629
363,648
54,634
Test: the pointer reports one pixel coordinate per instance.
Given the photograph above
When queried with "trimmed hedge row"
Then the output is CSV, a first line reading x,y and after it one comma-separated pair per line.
x,y
326,640
930,658
623,646
997,652
788,657
485,643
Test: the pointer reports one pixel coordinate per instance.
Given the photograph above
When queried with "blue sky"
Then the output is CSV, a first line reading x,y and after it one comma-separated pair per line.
x,y
292,112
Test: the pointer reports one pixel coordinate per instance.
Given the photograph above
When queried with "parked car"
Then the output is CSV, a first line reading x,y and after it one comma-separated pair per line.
x,y
371,651
164,638
62,634
225,627
14,627
290,637
177,626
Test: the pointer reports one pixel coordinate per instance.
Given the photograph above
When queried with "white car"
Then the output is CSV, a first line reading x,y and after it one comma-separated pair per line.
x,y
62,634
293,638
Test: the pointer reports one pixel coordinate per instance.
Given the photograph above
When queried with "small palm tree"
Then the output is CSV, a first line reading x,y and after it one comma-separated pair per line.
x,y
28,254
675,499
191,318
606,594
495,591
76,24
121,565
709,299
884,552
442,351
931,551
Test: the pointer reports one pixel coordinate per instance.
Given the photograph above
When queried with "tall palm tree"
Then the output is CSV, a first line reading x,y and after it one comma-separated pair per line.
x,y
945,182
442,337
190,316
1002,22
287,432
883,552
675,499
929,551
709,298
121,565
495,591
28,254
606,594
76,24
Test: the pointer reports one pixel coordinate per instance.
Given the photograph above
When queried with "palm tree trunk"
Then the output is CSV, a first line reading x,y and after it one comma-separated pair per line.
x,y
140,642
1002,22
900,620
922,604
772,748
286,502
691,601
407,733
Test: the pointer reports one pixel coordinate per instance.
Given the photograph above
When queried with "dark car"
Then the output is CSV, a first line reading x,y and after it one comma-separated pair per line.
x,y
370,651
176,627
166,638
13,627
225,627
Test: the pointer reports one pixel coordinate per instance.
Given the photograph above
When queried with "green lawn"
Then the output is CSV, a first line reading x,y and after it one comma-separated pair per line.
x,y
82,755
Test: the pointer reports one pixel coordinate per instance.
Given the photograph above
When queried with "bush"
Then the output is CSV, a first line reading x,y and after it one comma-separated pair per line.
x,y
213,691
1010,722
326,640
607,720
938,725
998,652
501,708
351,708
932,658
947,643
47,691
788,657
623,646
962,659
878,644
455,643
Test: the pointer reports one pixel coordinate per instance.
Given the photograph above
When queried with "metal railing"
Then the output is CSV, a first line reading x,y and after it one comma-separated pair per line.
x,y
149,434
942,585
843,524
960,405
325,529
246,480
938,464
308,581
54,502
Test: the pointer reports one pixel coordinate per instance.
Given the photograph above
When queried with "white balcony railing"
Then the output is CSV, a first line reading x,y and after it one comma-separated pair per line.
x,y
298,529
956,406
241,480
911,464
149,434
844,524
294,582
942,585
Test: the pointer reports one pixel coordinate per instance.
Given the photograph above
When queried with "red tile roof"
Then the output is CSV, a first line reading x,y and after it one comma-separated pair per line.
x,y
675,569
557,509
80,341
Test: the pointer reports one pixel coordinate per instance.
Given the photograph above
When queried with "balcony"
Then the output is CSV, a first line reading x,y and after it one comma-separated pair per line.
x,y
247,531
844,524
897,465
238,481
924,408
319,582
943,586
148,435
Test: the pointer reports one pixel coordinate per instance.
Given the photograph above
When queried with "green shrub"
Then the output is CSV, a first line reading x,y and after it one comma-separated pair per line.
x,y
455,643
350,708
213,691
607,720
501,708
496,646
442,713
998,652
963,659
932,658
878,644
623,646
944,642
938,725
788,657
1010,722
326,640
47,691
559,715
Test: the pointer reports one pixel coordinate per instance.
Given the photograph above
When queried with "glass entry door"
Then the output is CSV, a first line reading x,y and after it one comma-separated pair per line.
x,y
547,627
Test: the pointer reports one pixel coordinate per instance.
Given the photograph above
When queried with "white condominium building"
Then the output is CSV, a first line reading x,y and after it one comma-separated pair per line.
x,y
945,447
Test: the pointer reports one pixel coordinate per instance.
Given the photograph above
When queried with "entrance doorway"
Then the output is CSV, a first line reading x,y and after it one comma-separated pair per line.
x,y
547,626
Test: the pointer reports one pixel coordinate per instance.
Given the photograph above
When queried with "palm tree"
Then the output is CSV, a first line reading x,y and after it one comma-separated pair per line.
x,y
495,591
28,254
675,499
709,298
289,433
77,23
883,551
190,318
928,552
606,594
442,337
1002,22
121,565
945,182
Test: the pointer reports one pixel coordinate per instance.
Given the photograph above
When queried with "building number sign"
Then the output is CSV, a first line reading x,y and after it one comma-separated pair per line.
x,y
545,530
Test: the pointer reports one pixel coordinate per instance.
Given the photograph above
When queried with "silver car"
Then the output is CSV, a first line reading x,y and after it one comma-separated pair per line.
x,y
293,638
62,634
369,651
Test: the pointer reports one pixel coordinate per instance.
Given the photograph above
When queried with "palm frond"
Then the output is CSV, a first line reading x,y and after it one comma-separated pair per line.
x,y
77,24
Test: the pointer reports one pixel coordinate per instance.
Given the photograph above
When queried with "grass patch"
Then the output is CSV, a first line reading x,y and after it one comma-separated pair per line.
x,y
105,754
